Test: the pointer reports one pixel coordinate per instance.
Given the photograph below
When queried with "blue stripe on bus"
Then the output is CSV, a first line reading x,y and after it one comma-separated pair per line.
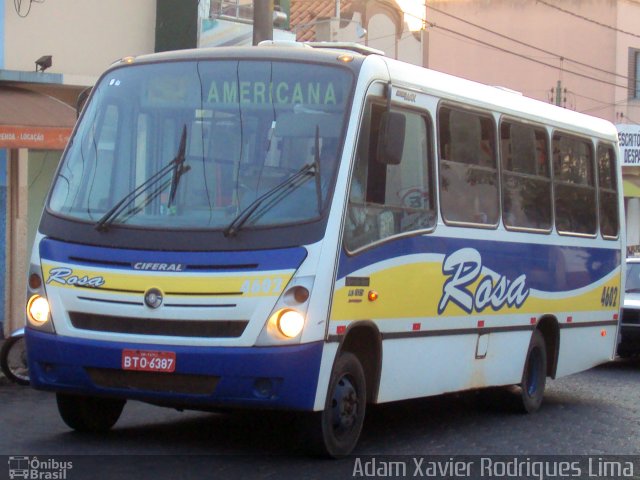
x,y
260,377
539,262
103,257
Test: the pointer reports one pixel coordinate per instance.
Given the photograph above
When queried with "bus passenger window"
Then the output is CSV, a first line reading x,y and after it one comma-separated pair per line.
x,y
526,185
385,199
574,185
609,223
468,173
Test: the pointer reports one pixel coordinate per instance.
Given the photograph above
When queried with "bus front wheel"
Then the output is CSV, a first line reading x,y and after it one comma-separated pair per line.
x,y
89,414
335,431
534,375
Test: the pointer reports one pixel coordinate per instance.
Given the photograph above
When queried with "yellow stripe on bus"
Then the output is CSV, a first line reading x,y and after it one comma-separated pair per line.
x,y
415,290
249,285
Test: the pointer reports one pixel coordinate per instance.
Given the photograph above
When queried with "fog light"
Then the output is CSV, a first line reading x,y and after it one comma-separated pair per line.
x,y
290,323
263,387
38,309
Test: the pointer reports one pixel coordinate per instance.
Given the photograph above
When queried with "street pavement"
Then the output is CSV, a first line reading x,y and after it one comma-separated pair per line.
x,y
591,413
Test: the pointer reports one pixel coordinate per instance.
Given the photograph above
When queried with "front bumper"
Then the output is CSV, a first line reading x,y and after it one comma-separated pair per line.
x,y
283,377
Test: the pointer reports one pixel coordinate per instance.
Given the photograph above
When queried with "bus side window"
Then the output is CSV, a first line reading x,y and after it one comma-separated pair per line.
x,y
608,191
468,173
385,198
574,185
526,185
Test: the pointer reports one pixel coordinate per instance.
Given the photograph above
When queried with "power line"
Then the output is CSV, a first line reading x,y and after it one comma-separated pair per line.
x,y
487,44
604,105
547,52
582,17
526,57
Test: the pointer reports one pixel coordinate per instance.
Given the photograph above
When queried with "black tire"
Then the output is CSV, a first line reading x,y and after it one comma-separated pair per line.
x,y
335,431
13,360
89,414
534,375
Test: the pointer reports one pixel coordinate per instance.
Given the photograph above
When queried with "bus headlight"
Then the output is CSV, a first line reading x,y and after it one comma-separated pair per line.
x,y
289,317
289,322
38,310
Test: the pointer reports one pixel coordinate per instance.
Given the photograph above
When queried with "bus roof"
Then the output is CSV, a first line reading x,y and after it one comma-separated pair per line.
x,y
496,98
283,50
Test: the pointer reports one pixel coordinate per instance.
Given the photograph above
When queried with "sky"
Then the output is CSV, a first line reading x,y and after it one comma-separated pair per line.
x,y
414,13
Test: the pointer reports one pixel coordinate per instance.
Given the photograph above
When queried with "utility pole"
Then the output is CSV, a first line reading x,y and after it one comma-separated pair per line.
x,y
559,93
262,20
559,86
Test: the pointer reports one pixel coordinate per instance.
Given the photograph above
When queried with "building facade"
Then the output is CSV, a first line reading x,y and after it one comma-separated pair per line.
x,y
50,52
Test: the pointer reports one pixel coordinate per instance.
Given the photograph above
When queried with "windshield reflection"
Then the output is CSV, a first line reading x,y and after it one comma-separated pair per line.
x,y
245,126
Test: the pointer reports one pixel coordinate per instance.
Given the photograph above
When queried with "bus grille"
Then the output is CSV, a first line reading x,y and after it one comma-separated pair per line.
x,y
153,326
153,381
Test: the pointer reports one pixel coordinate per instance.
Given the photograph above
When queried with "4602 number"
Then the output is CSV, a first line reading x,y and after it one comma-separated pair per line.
x,y
264,286
609,297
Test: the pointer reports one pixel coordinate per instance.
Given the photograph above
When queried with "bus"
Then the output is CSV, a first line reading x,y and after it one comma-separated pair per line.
x,y
315,229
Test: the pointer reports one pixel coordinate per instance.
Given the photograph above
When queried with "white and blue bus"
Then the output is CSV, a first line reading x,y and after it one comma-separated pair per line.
x,y
316,229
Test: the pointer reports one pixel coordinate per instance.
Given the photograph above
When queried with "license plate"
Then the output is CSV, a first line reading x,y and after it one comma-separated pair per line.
x,y
148,361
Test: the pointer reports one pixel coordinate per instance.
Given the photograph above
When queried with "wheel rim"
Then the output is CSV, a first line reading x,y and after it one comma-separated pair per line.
x,y
344,406
533,372
17,360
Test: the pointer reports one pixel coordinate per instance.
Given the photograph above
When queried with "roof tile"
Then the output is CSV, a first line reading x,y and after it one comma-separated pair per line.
x,y
305,12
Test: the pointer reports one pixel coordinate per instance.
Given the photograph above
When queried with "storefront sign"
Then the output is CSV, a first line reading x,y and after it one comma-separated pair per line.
x,y
43,138
629,137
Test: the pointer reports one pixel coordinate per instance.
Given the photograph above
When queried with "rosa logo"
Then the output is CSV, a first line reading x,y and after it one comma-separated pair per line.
x,y
464,268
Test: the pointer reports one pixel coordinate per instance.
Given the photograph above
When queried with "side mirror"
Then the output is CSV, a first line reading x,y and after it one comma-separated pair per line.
x,y
391,138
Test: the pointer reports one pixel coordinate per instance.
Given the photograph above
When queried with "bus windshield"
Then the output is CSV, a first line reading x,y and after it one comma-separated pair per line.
x,y
205,145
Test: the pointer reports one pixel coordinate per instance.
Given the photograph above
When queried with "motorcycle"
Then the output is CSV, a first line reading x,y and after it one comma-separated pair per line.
x,y
13,358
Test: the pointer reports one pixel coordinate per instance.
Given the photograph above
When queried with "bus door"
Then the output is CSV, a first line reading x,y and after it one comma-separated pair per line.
x,y
385,274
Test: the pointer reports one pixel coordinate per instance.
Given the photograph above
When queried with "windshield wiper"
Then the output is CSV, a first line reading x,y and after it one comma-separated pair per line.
x,y
283,188
316,164
175,166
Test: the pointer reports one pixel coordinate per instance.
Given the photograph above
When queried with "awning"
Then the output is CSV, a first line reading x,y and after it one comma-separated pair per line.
x,y
630,189
32,120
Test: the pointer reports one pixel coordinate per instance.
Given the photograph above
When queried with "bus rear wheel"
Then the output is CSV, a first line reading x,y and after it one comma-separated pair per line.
x,y
534,375
89,414
335,431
